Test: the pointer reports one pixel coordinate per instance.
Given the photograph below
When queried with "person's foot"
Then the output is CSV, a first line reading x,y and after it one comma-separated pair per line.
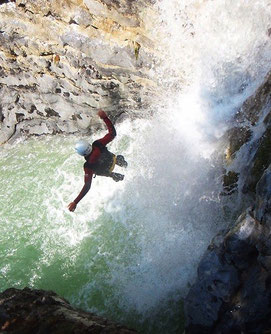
x,y
125,164
117,177
121,161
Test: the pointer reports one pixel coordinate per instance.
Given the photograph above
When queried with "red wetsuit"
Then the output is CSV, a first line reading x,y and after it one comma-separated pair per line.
x,y
94,157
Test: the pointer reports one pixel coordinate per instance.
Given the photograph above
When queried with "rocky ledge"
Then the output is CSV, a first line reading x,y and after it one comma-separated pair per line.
x,y
36,311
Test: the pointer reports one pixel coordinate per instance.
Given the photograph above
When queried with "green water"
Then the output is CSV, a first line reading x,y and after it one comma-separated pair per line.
x,y
90,257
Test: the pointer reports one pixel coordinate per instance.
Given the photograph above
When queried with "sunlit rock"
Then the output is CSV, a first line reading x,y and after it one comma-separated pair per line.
x,y
73,57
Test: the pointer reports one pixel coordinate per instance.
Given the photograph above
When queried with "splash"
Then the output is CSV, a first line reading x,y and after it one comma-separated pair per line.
x,y
131,250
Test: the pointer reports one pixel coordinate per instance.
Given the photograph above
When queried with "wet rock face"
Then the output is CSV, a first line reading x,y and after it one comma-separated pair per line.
x,y
263,199
259,162
248,151
62,60
37,311
253,107
232,291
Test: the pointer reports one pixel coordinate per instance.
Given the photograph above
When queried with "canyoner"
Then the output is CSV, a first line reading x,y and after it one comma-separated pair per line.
x,y
99,161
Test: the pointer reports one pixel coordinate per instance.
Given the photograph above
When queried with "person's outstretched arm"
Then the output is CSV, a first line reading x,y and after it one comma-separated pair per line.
x,y
111,129
83,192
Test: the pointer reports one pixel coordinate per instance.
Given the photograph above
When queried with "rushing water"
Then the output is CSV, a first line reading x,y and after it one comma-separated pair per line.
x,y
131,248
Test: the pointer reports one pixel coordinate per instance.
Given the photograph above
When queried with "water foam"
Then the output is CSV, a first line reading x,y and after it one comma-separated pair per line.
x,y
134,246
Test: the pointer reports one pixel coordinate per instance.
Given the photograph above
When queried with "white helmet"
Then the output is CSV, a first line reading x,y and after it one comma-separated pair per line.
x,y
83,148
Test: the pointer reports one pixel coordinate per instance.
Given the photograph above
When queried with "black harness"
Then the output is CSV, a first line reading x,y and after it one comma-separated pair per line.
x,y
104,163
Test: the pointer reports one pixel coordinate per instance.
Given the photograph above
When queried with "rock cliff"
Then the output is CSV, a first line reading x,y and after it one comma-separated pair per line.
x,y
61,60
36,311
232,291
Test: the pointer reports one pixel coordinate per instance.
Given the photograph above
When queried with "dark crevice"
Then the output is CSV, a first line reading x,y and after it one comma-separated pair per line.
x,y
51,112
87,104
13,133
2,117
4,1
25,87
22,5
27,10
32,109
50,14
72,21
19,117
13,53
45,54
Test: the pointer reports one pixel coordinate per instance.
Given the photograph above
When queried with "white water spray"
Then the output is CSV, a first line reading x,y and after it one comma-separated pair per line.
x,y
132,248
208,67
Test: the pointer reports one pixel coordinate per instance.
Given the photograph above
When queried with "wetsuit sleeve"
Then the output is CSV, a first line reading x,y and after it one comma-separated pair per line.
x,y
87,185
95,154
111,132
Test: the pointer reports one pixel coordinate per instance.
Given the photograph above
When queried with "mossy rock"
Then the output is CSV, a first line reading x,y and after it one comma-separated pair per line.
x,y
252,107
260,163
230,183
237,137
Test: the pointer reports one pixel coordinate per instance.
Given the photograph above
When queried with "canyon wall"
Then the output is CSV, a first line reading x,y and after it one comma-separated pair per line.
x,y
60,61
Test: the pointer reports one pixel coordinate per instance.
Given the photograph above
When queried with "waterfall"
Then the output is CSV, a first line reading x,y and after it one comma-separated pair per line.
x,y
130,251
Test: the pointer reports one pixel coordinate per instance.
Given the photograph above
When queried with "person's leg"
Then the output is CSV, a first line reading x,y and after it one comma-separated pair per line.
x,y
120,161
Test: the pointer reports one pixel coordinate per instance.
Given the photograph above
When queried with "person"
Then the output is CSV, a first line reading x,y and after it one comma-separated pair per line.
x,y
99,161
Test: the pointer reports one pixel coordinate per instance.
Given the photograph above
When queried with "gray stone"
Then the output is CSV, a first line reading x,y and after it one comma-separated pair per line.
x,y
232,290
263,198
240,243
217,281
72,58
38,311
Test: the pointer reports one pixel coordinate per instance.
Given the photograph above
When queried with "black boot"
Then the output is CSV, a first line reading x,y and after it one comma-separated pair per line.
x,y
121,161
117,177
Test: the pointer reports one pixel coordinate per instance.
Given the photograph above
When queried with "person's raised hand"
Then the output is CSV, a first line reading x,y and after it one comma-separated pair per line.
x,y
101,114
72,206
